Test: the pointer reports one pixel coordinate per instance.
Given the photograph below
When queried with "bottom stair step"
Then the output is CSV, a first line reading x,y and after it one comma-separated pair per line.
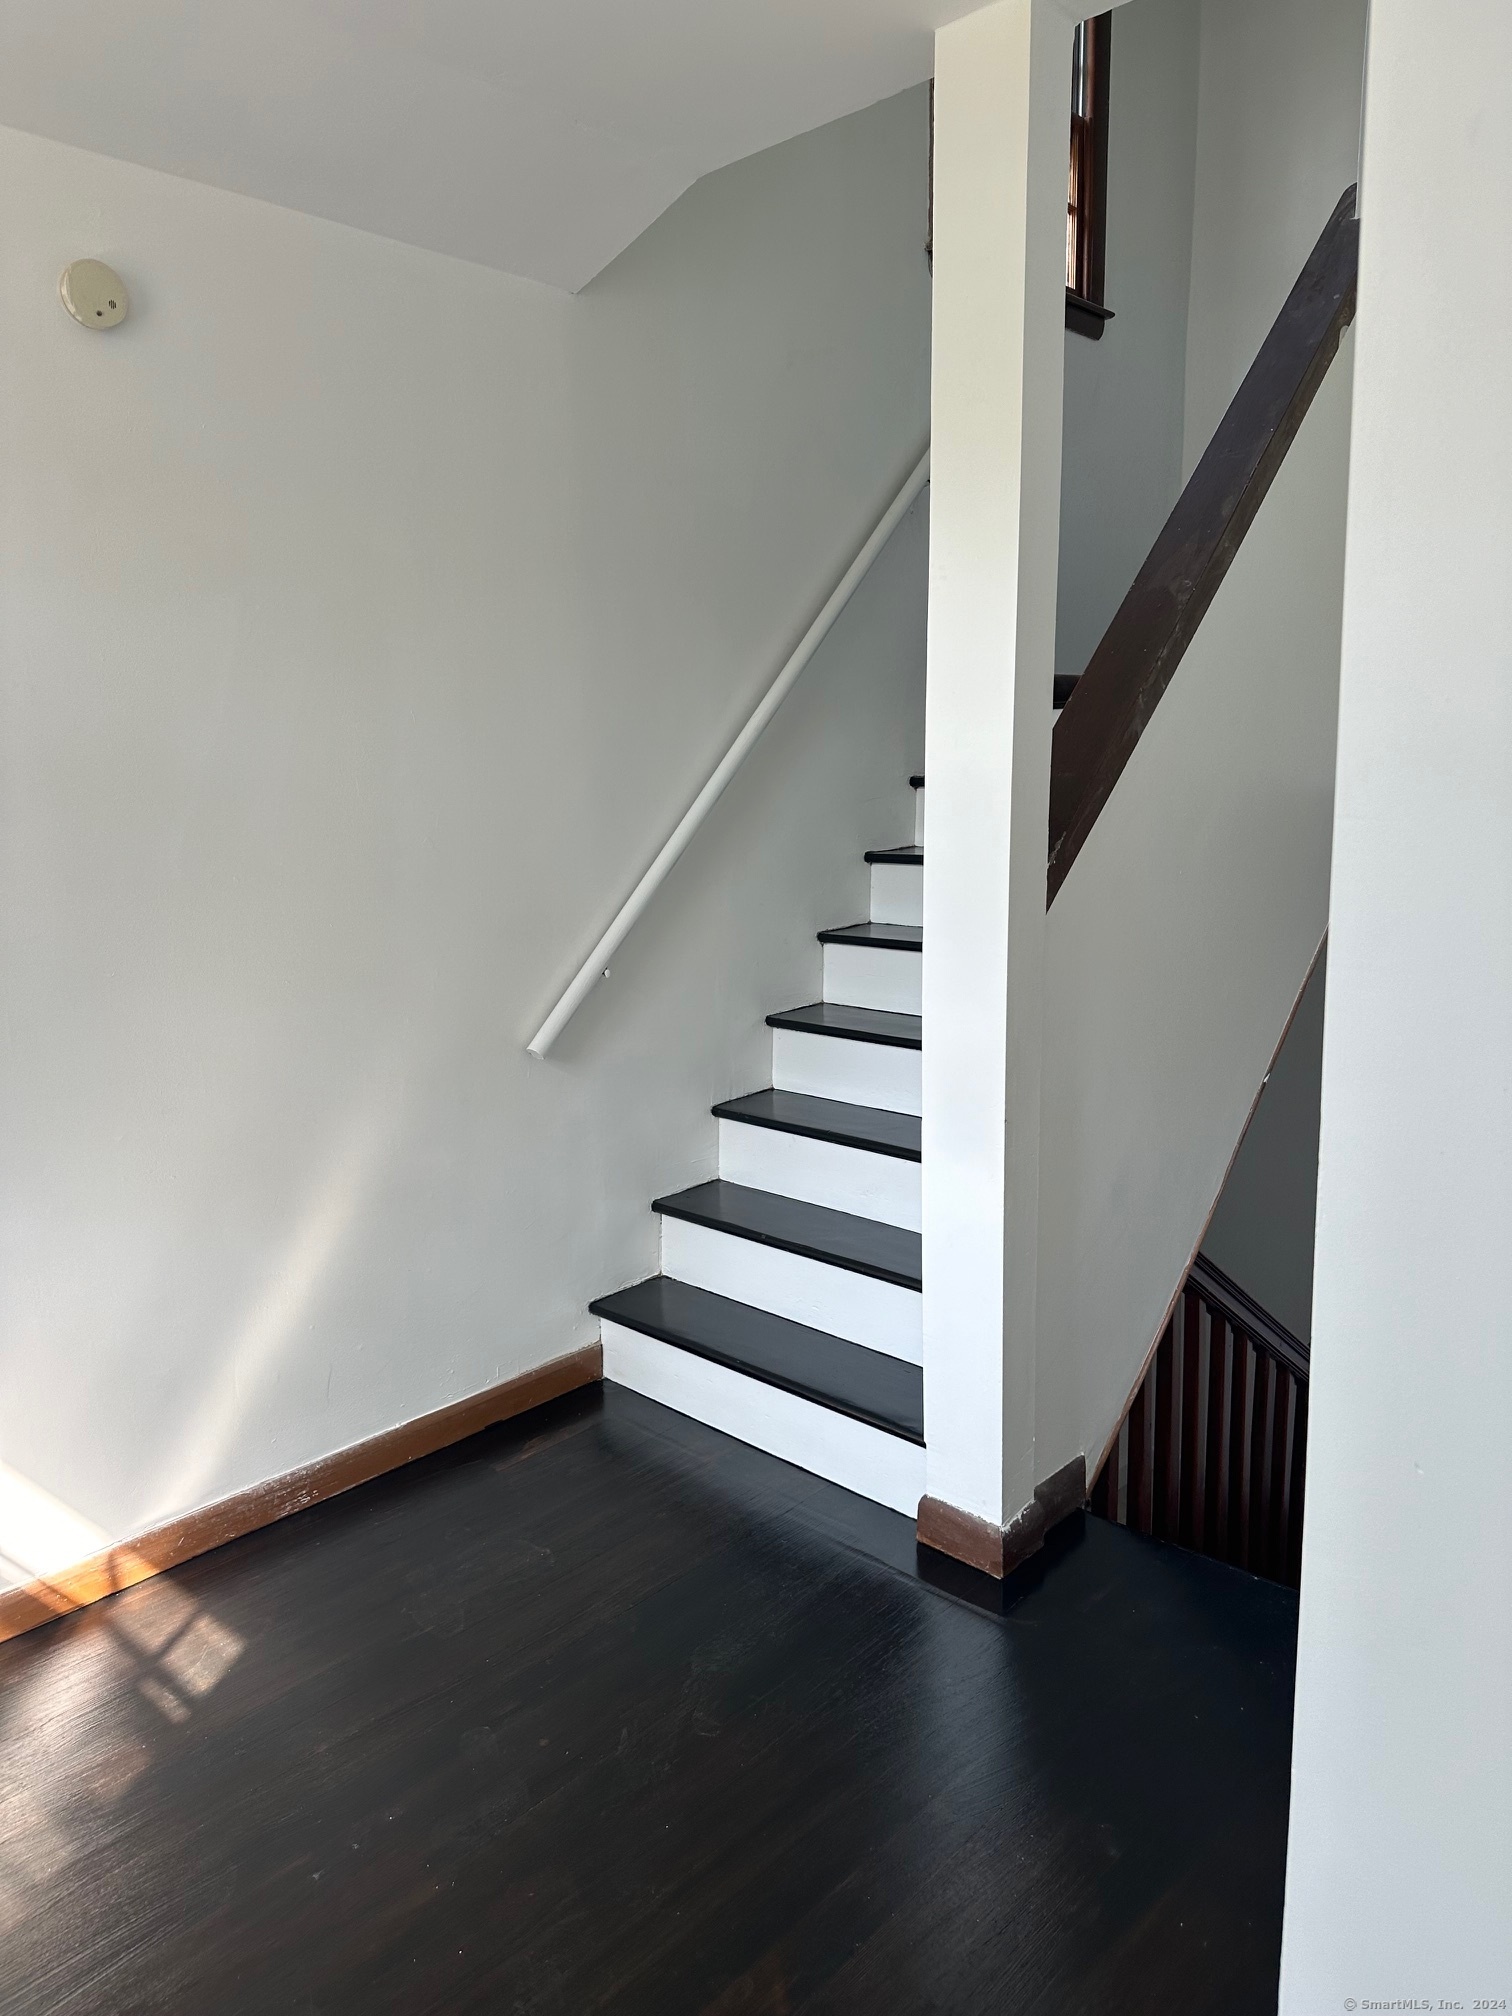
x,y
751,1375
868,1385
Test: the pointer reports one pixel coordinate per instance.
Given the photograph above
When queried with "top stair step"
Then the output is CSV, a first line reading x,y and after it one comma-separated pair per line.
x,y
896,857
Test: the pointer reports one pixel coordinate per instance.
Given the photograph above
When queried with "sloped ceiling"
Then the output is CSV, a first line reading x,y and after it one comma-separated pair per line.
x,y
536,136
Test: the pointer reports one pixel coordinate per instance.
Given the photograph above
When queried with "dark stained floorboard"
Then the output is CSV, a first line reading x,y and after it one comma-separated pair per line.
x,y
603,1712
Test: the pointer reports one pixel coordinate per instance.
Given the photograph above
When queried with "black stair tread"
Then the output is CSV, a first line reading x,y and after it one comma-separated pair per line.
x,y
1065,686
886,937
869,1127
861,1245
869,1386
917,783
897,857
858,1025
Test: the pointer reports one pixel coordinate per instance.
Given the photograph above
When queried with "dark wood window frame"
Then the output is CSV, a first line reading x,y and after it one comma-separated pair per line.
x,y
1087,191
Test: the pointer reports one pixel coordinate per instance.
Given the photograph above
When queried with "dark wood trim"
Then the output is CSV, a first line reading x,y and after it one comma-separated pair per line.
x,y
1097,730
1087,192
1101,30
991,1550
998,1550
1063,1492
1246,1314
1086,318
133,1561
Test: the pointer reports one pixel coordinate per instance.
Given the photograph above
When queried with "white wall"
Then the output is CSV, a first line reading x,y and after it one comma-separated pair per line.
x,y
1180,942
1261,1233
1125,394
366,619
1399,1876
1278,137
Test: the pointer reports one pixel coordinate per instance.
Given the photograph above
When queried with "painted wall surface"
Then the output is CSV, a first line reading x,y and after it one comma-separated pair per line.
x,y
540,139
1261,1233
1278,138
1180,941
1399,1868
367,619
1125,394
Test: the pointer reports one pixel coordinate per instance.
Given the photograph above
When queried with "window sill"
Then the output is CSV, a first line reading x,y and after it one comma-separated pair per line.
x,y
1085,317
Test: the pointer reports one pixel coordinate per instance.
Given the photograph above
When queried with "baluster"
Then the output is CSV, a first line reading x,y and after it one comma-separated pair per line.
x,y
1167,1439
1297,1491
1239,1445
1280,1477
1191,1420
1140,1496
1220,1385
1261,1434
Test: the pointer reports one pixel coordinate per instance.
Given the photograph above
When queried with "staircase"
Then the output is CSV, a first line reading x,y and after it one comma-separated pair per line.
x,y
788,1311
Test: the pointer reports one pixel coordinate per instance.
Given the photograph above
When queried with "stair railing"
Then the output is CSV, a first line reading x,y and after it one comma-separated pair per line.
x,y
596,966
1127,674
1212,1450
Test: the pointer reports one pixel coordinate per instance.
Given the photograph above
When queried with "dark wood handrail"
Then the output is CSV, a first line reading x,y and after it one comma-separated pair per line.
x,y
1246,1314
1137,658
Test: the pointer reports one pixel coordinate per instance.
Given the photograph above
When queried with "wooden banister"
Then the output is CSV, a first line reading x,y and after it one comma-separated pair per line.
x,y
1212,1448
1131,668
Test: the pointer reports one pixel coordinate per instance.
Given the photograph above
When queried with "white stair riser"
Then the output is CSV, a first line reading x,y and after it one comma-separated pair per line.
x,y
919,817
866,976
862,1074
821,1172
875,1313
865,1460
897,894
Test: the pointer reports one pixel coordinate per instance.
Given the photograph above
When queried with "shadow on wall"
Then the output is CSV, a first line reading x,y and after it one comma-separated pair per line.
x,y
1262,1228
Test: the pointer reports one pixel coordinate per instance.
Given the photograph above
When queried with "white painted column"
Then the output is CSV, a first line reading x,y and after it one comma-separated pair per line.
x,y
1399,1876
1002,84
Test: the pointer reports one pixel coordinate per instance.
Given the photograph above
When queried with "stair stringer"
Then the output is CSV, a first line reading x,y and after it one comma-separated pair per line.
x,y
1179,944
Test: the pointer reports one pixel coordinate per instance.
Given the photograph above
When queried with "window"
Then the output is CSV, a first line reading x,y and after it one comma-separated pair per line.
x,y
1087,192
1087,197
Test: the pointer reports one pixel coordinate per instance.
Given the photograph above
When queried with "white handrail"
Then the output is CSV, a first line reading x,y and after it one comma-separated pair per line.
x,y
595,967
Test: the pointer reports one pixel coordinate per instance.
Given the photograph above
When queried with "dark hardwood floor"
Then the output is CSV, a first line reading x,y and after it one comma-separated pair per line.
x,y
602,1712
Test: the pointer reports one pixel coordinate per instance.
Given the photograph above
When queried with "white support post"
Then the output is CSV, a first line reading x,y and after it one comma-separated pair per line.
x,y
1002,79
1399,1864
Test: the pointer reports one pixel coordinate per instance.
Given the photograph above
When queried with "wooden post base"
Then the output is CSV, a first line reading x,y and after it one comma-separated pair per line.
x,y
998,1550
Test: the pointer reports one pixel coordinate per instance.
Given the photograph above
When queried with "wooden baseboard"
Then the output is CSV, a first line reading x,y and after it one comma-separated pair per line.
x,y
1064,1492
197,1532
998,1550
